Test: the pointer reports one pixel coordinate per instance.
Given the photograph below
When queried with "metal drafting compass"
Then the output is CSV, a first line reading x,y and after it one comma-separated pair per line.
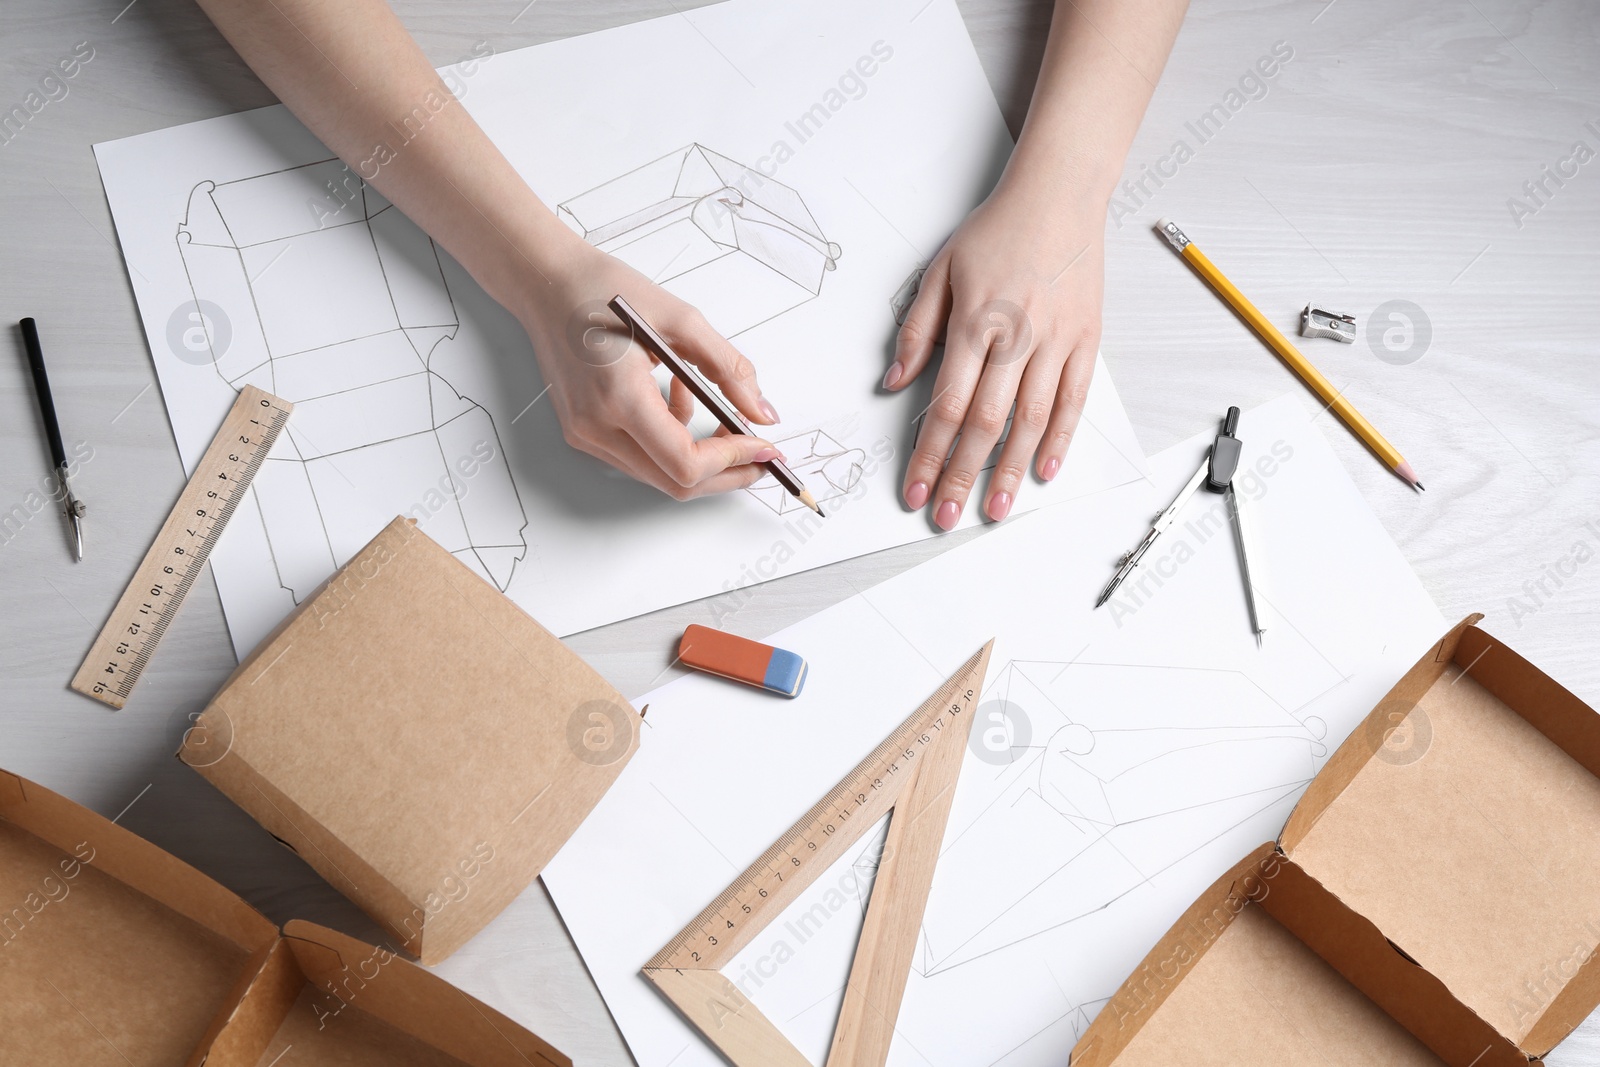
x,y
1216,474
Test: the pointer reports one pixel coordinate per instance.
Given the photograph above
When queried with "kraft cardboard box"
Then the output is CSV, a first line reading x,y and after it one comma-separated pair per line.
x,y
1431,900
326,1000
419,740
112,951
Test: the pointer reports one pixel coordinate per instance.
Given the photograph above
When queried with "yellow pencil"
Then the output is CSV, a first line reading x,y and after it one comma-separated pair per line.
x,y
1288,353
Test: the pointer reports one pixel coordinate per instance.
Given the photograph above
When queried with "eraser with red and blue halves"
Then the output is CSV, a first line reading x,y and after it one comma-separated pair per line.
x,y
742,659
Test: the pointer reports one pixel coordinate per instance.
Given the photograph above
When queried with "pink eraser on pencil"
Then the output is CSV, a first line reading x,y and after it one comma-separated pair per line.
x,y
743,660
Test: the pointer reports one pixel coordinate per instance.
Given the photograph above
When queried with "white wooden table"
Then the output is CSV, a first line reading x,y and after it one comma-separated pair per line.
x,y
1379,165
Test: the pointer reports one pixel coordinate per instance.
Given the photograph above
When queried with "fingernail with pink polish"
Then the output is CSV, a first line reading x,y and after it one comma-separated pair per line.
x,y
947,516
917,495
892,376
999,506
770,412
1052,467
766,455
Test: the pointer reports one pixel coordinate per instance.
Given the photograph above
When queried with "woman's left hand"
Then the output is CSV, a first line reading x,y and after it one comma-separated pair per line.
x,y
1015,293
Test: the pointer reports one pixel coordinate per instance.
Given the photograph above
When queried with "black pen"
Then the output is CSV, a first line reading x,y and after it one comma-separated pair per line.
x,y
685,372
58,455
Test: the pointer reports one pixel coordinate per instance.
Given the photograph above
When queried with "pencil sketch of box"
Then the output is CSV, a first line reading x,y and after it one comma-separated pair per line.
x,y
346,314
733,242
828,468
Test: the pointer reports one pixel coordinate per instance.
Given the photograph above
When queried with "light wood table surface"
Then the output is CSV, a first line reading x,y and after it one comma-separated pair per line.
x,y
1380,164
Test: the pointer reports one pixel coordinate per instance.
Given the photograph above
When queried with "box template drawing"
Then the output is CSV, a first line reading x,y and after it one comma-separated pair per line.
x,y
417,739
739,245
1431,899
113,951
312,286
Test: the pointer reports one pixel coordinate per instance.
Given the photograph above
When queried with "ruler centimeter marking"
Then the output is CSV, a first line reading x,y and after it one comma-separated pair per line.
x,y
866,792
181,548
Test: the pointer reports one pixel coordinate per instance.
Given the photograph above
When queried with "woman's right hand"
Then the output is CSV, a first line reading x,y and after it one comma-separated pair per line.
x,y
461,190
600,380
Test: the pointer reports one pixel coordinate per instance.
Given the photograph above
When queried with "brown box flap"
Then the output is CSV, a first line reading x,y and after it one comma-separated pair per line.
x,y
1268,966
1454,820
1357,949
1230,984
327,1000
111,950
1144,992
417,738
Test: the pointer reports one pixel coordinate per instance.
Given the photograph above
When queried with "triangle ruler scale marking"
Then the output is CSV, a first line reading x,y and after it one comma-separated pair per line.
x,y
912,773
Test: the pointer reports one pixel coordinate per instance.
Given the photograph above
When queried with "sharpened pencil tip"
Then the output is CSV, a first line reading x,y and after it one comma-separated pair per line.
x,y
1422,487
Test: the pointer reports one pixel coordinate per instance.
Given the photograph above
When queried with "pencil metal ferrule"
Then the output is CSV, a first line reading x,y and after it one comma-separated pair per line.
x,y
1175,237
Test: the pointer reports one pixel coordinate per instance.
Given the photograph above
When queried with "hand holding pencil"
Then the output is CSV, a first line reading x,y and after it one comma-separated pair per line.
x,y
685,374
602,389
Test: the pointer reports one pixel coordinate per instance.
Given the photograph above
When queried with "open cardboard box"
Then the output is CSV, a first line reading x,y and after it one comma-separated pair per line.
x,y
417,739
1432,899
113,952
326,999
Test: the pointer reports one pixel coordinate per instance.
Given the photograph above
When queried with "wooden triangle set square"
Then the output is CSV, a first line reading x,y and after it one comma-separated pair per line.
x,y
912,773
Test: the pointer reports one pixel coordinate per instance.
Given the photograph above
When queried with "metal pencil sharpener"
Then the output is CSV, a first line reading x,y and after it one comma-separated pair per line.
x,y
1320,322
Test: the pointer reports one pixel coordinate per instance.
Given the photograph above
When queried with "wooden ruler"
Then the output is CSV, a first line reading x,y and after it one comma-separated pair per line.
x,y
130,636
912,773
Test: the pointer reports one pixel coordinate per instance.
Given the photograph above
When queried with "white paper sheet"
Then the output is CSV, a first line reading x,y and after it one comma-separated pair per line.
x,y
1122,760
784,166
